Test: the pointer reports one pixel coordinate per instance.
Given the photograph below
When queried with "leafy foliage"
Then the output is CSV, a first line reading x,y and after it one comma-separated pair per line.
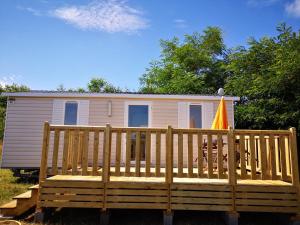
x,y
194,66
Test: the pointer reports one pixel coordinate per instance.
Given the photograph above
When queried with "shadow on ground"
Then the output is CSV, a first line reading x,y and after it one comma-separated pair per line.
x,y
153,217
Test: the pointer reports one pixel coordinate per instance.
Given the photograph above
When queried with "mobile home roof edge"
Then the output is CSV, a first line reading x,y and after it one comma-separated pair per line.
x,y
115,95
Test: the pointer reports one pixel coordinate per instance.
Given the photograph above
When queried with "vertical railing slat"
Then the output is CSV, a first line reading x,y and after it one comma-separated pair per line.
x,y
55,151
65,152
263,157
252,157
272,156
138,154
44,156
107,153
75,152
190,155
282,157
200,155
220,156
180,154
95,152
85,143
243,156
209,156
128,153
148,153
157,153
118,153
169,156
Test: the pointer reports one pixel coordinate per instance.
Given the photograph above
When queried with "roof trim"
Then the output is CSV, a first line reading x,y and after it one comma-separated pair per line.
x,y
110,95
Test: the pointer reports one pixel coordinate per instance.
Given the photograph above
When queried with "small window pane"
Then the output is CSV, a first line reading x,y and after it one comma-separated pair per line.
x,y
195,116
138,116
71,113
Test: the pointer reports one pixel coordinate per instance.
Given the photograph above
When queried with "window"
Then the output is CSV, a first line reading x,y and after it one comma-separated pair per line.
x,y
138,116
195,116
71,109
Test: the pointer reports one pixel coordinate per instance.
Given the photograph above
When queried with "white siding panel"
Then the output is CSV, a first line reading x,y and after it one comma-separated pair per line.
x,y
83,112
183,115
58,111
207,114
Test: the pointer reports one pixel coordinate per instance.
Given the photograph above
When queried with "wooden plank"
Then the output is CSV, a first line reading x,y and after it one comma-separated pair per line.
x,y
200,155
190,155
209,156
142,199
266,188
272,156
137,192
148,153
66,204
220,156
231,158
122,205
294,156
87,198
282,157
288,155
218,201
266,202
201,187
252,157
85,191
201,207
118,153
277,196
45,148
157,154
128,153
138,185
55,151
65,152
180,154
205,194
243,157
95,153
71,184
75,152
138,154
263,157
85,143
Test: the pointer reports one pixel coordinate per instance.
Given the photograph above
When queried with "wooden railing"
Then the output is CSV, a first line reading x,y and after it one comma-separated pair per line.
x,y
170,153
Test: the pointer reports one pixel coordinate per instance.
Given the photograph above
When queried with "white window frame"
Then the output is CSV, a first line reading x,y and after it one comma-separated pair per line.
x,y
128,103
78,105
126,114
188,113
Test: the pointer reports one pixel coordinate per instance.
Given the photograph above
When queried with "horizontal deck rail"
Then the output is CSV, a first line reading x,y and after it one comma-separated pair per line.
x,y
170,153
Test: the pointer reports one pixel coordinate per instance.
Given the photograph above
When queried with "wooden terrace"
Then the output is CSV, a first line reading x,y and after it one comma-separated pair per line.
x,y
169,169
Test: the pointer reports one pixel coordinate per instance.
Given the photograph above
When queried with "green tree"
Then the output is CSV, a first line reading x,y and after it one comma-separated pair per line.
x,y
194,66
102,86
3,102
267,78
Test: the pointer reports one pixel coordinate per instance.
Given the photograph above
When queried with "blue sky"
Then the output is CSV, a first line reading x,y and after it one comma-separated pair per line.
x,y
45,43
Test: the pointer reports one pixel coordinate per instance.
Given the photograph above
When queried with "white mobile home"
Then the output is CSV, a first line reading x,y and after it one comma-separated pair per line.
x,y
27,112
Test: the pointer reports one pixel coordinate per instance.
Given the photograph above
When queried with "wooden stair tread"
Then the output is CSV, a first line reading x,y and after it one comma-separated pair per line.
x,y
27,194
9,205
34,187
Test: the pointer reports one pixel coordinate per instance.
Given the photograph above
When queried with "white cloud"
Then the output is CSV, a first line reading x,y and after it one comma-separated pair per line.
x,y
293,8
180,23
104,15
8,80
261,3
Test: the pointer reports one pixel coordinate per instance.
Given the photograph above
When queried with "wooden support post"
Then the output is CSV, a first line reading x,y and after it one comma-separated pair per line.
x,y
294,157
107,150
168,218
44,158
104,217
231,158
231,218
169,172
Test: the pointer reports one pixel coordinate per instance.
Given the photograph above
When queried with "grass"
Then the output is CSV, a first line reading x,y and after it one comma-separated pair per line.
x,y
10,185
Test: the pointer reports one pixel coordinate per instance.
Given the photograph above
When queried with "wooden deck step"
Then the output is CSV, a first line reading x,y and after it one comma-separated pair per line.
x,y
24,195
20,203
